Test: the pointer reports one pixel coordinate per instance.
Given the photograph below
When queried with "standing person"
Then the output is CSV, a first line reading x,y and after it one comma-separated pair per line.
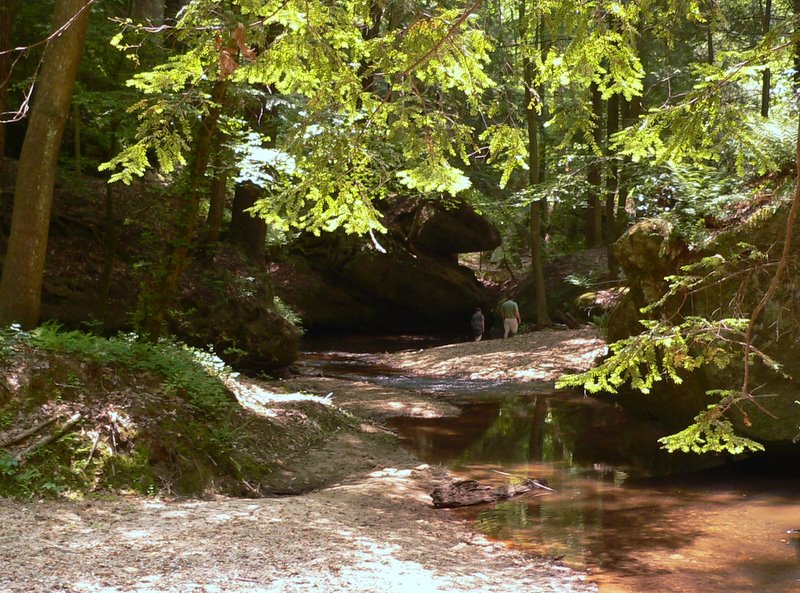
x,y
477,324
511,318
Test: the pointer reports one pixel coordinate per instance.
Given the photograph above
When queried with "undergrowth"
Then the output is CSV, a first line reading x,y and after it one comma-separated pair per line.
x,y
193,374
105,448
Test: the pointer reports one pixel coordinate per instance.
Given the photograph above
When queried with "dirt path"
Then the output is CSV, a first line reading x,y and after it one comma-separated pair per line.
x,y
374,532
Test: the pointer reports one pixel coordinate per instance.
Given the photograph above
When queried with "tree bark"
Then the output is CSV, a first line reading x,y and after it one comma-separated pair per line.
x,y
248,231
594,214
23,269
534,168
157,303
766,76
6,43
710,32
216,207
612,186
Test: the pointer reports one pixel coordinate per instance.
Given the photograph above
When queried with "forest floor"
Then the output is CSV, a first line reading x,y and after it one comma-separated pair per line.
x,y
372,530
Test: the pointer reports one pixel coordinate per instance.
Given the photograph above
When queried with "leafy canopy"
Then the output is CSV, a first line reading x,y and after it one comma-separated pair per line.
x,y
345,97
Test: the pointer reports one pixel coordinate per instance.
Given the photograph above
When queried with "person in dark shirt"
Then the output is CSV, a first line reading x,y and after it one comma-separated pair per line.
x,y
477,324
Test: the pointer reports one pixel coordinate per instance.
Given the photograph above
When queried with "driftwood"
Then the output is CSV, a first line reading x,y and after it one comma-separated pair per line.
x,y
469,492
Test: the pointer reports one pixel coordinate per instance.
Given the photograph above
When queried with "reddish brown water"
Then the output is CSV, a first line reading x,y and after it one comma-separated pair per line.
x,y
719,530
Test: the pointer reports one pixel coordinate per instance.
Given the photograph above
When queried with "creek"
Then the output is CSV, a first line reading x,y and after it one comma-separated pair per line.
x,y
636,518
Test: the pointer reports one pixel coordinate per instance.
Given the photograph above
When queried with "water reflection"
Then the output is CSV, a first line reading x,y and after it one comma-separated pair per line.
x,y
721,530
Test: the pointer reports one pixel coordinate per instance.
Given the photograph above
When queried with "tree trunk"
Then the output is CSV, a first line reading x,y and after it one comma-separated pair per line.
x,y
248,231
6,43
218,193
371,31
536,206
216,207
612,186
23,270
594,214
156,304
710,31
766,75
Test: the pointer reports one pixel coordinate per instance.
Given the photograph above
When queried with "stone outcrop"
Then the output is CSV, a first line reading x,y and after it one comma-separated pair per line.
x,y
406,280
456,230
652,250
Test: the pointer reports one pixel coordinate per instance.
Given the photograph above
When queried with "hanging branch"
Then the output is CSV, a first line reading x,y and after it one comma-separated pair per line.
x,y
450,32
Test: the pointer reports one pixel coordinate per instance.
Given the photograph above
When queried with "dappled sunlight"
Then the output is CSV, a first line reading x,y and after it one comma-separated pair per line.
x,y
535,356
377,534
136,534
261,400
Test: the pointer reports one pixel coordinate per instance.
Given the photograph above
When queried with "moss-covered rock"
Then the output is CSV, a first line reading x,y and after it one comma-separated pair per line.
x,y
228,303
651,251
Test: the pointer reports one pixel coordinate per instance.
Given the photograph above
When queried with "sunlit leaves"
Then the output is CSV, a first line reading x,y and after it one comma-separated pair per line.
x,y
435,176
507,150
711,432
661,352
338,128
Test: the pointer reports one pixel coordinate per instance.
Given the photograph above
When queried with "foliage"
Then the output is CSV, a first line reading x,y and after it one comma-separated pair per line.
x,y
285,311
315,56
711,431
196,375
663,352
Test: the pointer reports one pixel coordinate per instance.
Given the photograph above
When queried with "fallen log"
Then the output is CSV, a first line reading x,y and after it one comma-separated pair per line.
x,y
49,438
464,493
5,441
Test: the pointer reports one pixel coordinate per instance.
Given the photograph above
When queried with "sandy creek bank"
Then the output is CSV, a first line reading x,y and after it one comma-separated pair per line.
x,y
373,530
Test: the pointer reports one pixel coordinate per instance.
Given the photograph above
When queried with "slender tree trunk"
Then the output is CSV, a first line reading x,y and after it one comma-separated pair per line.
x,y
766,76
630,111
216,200
23,269
6,43
536,206
594,213
627,111
156,305
710,31
612,186
248,231
796,77
371,31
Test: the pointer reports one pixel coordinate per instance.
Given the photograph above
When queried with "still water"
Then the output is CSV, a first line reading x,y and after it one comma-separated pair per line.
x,y
621,509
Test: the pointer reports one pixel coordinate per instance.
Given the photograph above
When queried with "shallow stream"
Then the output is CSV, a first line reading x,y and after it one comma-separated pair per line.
x,y
637,519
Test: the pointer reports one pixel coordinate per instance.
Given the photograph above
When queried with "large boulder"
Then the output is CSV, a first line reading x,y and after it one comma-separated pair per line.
x,y
649,252
228,303
408,279
346,283
459,229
